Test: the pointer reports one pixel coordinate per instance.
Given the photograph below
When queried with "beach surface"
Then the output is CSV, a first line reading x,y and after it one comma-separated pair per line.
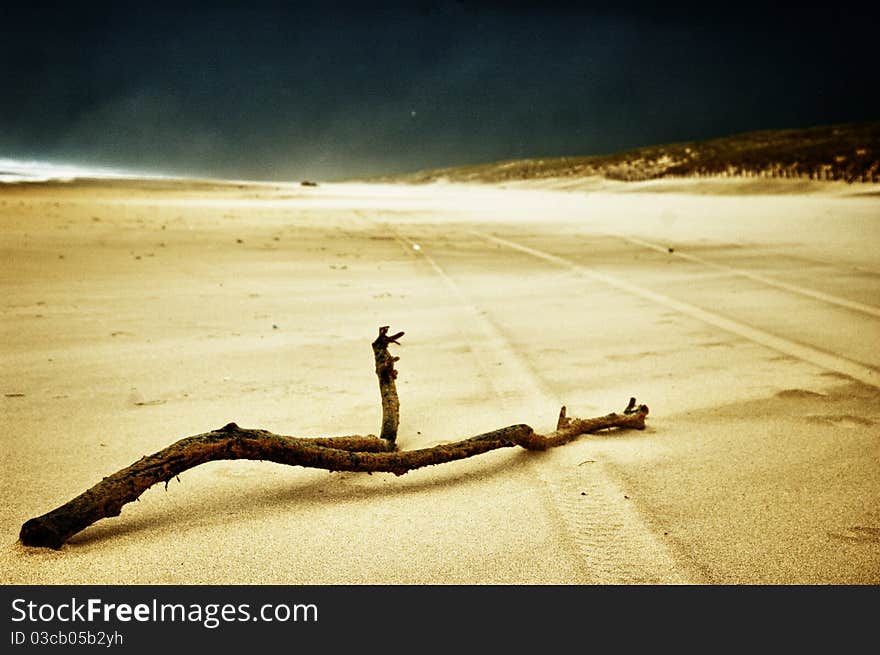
x,y
745,314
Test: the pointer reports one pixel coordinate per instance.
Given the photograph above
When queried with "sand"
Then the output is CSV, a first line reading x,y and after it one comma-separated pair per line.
x,y
746,316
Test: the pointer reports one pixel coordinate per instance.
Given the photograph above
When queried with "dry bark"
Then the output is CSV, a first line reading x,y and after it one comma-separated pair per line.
x,y
350,453
387,374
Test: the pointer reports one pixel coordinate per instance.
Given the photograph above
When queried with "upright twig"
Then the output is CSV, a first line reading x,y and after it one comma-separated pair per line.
x,y
387,374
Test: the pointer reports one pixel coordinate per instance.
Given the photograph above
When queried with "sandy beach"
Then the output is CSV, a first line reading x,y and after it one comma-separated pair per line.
x,y
746,314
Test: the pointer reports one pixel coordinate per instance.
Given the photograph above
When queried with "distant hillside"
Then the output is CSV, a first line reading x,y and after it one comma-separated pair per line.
x,y
849,152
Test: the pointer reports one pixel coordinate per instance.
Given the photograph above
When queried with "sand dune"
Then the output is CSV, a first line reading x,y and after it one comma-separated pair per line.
x,y
135,313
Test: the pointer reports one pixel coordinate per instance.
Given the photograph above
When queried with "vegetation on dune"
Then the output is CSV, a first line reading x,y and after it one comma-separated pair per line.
x,y
848,152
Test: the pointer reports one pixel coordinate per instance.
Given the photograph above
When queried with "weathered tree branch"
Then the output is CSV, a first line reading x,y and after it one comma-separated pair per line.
x,y
351,453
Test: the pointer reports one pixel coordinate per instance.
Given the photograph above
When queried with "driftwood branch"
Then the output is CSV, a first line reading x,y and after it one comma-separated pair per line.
x,y
350,453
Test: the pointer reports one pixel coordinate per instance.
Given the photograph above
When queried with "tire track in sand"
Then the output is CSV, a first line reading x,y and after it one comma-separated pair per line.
x,y
756,277
826,360
609,537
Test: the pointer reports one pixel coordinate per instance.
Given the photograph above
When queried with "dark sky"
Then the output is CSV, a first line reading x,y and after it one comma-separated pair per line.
x,y
288,91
